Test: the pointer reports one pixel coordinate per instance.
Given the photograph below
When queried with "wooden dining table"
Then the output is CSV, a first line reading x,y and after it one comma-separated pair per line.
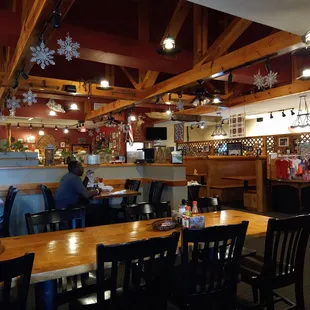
x,y
116,194
70,252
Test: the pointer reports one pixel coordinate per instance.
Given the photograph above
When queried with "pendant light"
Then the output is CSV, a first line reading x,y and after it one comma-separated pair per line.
x,y
104,85
305,75
303,116
306,37
219,130
169,47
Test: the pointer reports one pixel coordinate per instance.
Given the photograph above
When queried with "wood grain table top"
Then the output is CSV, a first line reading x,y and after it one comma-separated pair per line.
x,y
71,252
240,178
117,193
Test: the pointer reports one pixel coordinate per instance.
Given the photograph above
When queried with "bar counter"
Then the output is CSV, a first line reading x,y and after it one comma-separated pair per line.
x,y
29,198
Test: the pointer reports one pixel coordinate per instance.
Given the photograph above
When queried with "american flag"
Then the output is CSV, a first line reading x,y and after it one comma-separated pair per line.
x,y
130,133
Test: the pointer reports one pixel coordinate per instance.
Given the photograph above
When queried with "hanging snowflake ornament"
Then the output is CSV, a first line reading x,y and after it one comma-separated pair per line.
x,y
271,79
68,48
42,55
259,81
180,105
12,112
13,103
97,130
90,133
30,97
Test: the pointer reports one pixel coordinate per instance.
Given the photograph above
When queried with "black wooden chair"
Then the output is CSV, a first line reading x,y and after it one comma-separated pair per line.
x,y
8,205
209,204
15,270
127,201
162,208
282,263
208,275
140,212
139,277
49,201
69,288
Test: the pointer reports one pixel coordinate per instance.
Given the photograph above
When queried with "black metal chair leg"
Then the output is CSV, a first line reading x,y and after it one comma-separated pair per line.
x,y
255,294
299,293
269,299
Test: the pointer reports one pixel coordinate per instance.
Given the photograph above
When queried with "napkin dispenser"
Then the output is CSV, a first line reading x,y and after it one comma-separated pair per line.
x,y
193,222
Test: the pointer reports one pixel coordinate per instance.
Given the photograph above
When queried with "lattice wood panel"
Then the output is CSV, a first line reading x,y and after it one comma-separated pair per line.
x,y
45,140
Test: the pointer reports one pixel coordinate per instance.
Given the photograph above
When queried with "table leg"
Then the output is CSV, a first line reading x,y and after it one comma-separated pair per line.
x,y
46,295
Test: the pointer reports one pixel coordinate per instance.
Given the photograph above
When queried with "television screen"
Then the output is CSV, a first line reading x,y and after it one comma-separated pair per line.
x,y
156,133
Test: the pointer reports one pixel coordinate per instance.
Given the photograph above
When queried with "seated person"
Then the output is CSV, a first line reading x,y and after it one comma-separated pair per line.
x,y
71,188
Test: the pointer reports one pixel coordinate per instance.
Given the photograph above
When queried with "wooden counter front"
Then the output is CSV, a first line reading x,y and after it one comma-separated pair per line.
x,y
72,252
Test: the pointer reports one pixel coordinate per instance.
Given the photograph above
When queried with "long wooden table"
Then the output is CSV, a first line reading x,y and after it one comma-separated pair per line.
x,y
117,193
71,252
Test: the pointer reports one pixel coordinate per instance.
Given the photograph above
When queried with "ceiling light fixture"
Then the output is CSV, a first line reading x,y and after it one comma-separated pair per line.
x,y
41,132
202,125
17,125
305,75
230,78
169,112
56,18
132,118
56,128
30,118
52,113
169,47
271,116
74,107
105,85
66,130
283,114
292,112
69,88
219,130
303,119
30,126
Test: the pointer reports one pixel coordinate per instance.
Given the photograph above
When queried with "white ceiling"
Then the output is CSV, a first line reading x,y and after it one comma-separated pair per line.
x,y
288,15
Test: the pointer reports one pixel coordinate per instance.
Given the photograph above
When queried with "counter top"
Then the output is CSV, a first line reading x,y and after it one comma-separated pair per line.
x,y
94,166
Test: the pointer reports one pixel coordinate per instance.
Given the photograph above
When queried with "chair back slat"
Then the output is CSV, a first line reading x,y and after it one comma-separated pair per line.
x,y
212,267
55,220
133,185
19,270
140,212
142,269
209,204
49,201
156,191
8,205
285,247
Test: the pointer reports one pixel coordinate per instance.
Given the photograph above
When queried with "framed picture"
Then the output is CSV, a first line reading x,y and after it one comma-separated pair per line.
x,y
234,149
62,144
81,140
20,140
31,139
283,142
206,148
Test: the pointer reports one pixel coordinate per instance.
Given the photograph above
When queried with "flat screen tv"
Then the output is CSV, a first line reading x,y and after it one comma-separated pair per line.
x,y
156,133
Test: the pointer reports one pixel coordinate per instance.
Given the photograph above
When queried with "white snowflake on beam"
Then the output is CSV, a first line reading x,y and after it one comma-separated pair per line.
x,y
13,103
30,97
68,48
42,55
259,81
98,130
271,79
90,133
180,105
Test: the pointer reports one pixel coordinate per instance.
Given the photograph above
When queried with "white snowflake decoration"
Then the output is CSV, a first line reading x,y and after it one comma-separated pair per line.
x,y
13,103
12,112
30,97
90,133
180,105
68,48
98,130
42,55
271,79
56,107
259,81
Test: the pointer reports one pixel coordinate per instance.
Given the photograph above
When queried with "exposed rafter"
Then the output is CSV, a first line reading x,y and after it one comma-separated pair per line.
x,y
179,15
131,79
111,107
39,13
225,40
276,44
286,90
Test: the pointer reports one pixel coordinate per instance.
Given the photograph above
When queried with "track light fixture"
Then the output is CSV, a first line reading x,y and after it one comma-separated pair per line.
x,y
15,84
104,85
56,18
17,125
30,126
283,114
24,74
56,128
271,116
230,78
292,112
66,130
306,38
267,65
169,47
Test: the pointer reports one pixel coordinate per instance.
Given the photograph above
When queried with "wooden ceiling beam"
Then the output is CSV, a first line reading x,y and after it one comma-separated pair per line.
x,y
122,51
130,78
176,22
294,88
276,44
225,40
55,86
111,107
199,110
33,25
